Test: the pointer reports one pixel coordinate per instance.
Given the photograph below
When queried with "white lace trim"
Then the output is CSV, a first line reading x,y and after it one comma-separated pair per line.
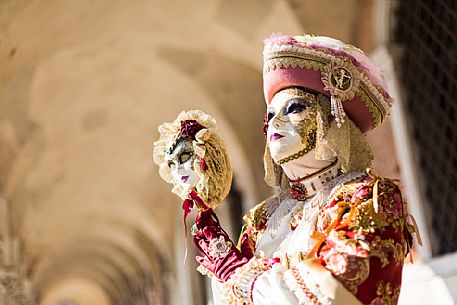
x,y
297,285
284,208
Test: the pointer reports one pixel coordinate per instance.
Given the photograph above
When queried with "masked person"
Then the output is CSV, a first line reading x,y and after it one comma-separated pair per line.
x,y
335,233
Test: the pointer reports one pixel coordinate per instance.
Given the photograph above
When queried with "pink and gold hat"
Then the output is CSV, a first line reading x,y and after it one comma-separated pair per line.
x,y
328,66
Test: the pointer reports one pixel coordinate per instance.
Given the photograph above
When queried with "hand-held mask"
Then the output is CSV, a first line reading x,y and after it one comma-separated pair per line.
x,y
193,158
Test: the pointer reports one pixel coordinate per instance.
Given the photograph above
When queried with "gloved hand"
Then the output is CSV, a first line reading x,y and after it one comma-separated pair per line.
x,y
220,255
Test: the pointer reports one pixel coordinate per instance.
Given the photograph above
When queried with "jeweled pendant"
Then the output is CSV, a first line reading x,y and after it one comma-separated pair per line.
x,y
298,191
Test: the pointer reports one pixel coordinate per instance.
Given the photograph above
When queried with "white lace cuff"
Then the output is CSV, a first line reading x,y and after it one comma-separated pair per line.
x,y
238,289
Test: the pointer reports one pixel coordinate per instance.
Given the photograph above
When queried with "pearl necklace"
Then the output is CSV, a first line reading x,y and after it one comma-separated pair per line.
x,y
306,187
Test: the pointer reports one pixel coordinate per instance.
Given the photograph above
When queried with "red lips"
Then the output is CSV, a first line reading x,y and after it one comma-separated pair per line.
x,y
275,137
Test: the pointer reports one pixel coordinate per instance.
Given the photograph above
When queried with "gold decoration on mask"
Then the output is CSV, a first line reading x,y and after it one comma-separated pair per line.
x,y
347,143
307,127
310,145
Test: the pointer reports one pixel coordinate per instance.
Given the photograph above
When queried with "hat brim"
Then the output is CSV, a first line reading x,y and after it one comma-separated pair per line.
x,y
278,79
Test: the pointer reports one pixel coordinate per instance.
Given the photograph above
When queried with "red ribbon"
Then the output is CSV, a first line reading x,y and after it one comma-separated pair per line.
x,y
194,196
187,206
203,165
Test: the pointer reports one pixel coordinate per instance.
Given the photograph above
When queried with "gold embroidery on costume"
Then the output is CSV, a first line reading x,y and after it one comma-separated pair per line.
x,y
387,295
378,205
258,216
351,271
385,249
367,219
255,225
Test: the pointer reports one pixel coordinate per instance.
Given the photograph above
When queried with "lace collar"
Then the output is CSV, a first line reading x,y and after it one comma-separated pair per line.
x,y
280,205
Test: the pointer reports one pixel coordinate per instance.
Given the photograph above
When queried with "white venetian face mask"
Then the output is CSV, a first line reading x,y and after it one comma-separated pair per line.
x,y
180,161
291,124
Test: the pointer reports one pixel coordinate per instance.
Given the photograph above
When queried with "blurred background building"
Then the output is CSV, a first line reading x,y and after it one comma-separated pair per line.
x,y
85,218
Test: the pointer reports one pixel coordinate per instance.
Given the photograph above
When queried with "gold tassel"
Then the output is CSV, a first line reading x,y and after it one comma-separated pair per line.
x,y
415,229
375,196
